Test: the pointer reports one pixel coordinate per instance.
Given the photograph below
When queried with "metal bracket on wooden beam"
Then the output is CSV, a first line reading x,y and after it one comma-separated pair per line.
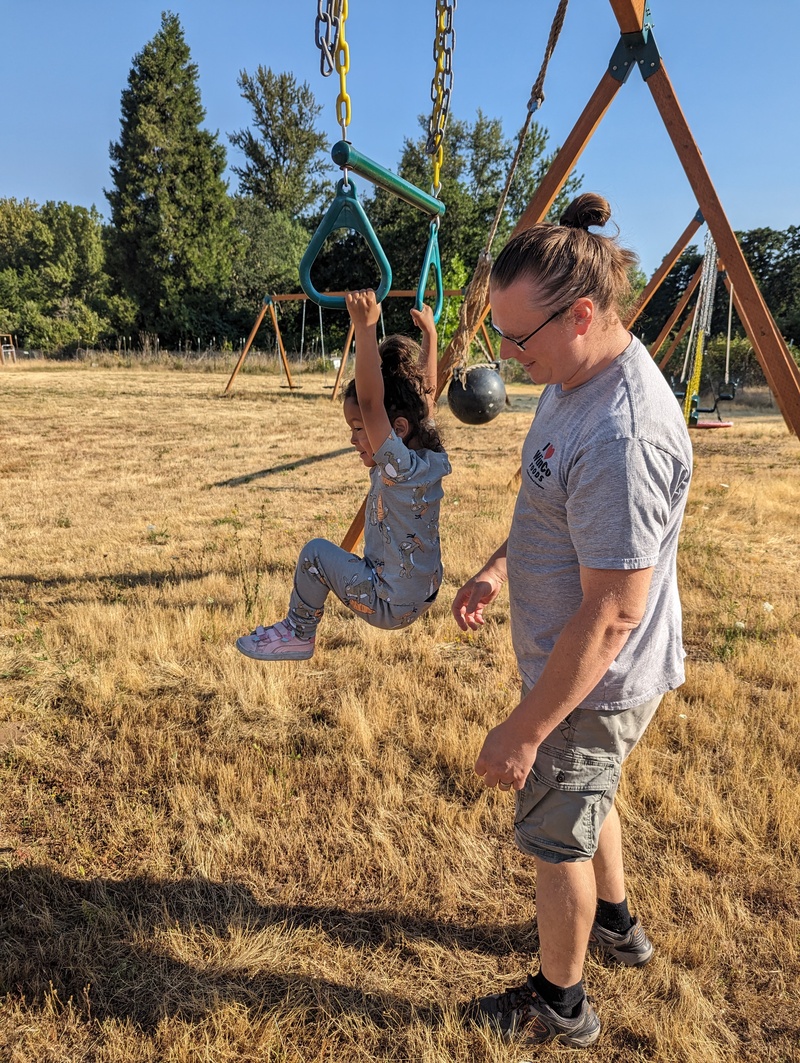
x,y
636,50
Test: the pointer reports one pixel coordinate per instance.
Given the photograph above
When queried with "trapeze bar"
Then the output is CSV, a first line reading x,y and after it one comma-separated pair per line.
x,y
344,154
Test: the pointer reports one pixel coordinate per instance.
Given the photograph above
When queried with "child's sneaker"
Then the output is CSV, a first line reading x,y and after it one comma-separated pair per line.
x,y
276,643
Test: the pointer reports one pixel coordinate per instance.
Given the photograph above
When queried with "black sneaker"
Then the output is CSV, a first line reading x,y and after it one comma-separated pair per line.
x,y
633,948
521,1015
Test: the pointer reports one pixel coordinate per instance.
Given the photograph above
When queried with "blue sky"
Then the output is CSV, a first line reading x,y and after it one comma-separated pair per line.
x,y
733,64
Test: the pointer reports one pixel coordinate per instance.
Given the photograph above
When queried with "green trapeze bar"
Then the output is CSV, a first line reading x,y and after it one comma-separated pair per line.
x,y
432,261
344,154
344,213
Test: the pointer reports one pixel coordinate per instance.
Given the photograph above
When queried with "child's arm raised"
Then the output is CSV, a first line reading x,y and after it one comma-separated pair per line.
x,y
365,313
429,359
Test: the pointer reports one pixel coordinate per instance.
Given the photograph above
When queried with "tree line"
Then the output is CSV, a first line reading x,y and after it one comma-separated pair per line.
x,y
183,261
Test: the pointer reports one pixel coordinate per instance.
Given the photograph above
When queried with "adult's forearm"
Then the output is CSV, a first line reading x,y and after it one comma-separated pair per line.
x,y
583,653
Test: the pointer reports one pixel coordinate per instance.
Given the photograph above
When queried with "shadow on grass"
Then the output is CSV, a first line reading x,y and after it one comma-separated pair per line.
x,y
238,481
100,943
120,580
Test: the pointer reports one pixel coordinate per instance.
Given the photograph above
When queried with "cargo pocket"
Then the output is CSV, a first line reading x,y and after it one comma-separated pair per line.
x,y
558,815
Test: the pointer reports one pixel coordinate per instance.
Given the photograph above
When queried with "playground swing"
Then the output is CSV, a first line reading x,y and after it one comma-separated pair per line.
x,y
687,388
346,211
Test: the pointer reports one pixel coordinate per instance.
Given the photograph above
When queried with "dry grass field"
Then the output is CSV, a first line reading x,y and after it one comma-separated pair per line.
x,y
207,860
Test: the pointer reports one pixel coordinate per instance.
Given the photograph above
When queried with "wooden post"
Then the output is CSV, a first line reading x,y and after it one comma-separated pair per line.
x,y
345,355
350,541
674,345
667,263
676,313
247,346
630,15
778,366
279,338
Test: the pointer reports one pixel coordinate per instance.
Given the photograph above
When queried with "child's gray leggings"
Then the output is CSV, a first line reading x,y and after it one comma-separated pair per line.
x,y
324,567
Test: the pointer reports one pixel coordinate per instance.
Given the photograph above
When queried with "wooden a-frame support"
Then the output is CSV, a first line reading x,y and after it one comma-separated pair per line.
x,y
268,304
637,48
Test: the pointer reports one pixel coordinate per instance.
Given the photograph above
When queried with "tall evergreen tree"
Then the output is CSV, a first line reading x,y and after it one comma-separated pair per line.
x,y
284,165
171,236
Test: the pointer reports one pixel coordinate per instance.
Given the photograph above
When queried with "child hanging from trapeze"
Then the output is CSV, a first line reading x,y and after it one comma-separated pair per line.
x,y
389,409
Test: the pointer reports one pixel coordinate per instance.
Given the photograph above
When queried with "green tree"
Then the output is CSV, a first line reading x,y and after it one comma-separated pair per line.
x,y
284,164
172,236
53,283
272,244
774,258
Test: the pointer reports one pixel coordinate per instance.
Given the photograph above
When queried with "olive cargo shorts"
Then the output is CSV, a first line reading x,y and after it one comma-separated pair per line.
x,y
572,784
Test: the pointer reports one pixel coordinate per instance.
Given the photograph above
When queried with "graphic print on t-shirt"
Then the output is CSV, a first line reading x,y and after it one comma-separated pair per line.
x,y
538,469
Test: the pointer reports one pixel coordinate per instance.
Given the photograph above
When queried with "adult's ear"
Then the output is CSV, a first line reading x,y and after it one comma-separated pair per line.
x,y
582,314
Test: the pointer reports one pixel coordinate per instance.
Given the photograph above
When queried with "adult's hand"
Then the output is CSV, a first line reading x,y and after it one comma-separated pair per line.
x,y
507,756
476,594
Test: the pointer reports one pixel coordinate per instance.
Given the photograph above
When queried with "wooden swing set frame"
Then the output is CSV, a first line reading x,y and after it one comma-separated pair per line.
x,y
637,49
299,297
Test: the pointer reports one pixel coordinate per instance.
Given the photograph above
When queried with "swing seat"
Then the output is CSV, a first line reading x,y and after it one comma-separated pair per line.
x,y
712,424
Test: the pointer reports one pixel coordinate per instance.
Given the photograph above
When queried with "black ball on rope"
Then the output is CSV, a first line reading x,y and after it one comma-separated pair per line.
x,y
476,394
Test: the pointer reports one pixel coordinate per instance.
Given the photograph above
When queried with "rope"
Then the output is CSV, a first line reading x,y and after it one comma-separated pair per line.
x,y
476,296
728,344
537,92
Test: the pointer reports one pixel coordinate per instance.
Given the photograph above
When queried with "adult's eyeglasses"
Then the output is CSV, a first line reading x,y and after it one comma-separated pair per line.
x,y
520,344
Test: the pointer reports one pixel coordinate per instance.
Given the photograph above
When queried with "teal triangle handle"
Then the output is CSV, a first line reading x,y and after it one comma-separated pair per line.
x,y
345,212
432,260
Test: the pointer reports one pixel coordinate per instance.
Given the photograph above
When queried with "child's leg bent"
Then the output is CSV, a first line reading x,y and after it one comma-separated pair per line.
x,y
324,567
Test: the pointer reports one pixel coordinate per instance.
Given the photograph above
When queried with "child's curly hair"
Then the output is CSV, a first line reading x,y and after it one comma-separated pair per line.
x,y
404,391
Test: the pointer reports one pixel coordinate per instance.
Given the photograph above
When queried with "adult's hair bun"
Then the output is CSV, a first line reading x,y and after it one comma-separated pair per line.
x,y
586,210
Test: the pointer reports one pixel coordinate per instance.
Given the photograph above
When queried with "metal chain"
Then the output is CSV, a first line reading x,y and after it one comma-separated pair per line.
x,y
441,85
701,324
326,33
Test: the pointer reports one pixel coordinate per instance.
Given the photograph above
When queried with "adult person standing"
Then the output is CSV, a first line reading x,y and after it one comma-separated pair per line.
x,y
595,614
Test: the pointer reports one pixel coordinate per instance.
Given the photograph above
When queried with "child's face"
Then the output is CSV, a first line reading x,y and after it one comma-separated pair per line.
x,y
358,434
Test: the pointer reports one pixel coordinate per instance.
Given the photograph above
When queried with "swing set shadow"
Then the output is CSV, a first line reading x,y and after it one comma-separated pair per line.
x,y
289,466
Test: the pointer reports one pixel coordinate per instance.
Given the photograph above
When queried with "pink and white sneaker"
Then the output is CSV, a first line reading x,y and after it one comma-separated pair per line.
x,y
276,643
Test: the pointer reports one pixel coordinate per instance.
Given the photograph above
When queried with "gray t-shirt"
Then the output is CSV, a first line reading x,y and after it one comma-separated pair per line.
x,y
605,476
401,527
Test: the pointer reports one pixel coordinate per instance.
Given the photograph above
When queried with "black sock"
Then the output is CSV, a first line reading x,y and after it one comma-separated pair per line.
x,y
614,917
565,1001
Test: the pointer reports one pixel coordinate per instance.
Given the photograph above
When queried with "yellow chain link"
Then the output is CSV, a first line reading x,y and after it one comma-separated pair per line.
x,y
442,54
693,384
343,113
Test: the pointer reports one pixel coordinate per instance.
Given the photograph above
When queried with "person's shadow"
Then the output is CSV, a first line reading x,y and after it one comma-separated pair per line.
x,y
105,945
